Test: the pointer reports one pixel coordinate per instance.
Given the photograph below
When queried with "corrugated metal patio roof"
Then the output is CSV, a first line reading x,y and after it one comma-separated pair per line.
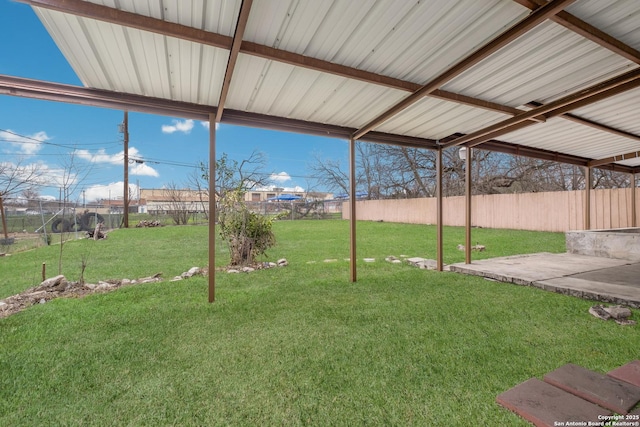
x,y
346,67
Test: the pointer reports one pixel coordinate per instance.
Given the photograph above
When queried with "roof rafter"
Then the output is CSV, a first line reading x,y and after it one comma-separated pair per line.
x,y
587,31
241,25
618,158
535,18
598,92
591,123
133,20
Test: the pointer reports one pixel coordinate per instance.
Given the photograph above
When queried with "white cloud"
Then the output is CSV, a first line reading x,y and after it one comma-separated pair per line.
x,y
207,126
100,156
114,190
280,177
142,169
184,126
28,144
58,177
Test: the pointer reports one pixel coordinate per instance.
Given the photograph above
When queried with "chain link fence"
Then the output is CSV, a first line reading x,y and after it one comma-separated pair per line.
x,y
35,223
299,209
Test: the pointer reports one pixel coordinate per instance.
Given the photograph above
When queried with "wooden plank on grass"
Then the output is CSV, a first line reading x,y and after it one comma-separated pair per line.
x,y
603,390
629,373
545,405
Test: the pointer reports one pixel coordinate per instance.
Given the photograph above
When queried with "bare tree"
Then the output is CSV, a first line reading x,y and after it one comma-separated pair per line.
x,y
330,174
31,195
70,177
177,204
196,181
388,171
237,175
14,179
382,171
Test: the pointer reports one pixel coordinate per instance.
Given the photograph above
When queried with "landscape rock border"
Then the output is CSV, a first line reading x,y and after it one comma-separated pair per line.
x,y
618,313
282,262
60,287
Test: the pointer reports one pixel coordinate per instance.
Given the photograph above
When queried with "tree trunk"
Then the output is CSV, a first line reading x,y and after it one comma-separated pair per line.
x,y
4,220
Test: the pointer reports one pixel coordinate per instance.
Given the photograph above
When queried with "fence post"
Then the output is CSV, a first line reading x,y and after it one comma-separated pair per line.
x,y
44,225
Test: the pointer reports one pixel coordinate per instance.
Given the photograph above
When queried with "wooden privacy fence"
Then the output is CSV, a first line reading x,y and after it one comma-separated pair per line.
x,y
552,211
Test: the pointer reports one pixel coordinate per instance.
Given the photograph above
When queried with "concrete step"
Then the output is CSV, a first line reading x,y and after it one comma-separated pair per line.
x,y
545,405
606,391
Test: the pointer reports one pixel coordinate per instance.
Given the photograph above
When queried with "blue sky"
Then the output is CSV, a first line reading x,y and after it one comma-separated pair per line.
x,y
33,131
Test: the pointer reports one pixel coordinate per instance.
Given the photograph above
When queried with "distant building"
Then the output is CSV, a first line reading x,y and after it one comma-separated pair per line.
x,y
162,200
273,195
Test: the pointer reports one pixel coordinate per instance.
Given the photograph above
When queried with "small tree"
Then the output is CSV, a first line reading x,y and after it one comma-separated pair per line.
x,y
248,234
70,176
231,174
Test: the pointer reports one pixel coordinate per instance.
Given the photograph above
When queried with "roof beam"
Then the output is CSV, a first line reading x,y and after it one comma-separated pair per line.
x,y
528,23
59,92
591,123
241,25
37,89
598,92
538,153
600,126
587,31
144,23
618,158
133,20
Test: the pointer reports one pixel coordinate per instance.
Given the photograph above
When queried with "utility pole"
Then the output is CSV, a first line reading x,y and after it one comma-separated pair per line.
x,y
125,199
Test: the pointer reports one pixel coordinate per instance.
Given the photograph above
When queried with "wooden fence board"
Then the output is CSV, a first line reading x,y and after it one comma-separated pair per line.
x,y
550,211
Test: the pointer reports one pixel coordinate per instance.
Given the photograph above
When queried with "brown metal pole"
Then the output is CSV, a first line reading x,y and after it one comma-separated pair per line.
x,y
587,198
125,200
633,200
212,207
439,253
352,208
467,205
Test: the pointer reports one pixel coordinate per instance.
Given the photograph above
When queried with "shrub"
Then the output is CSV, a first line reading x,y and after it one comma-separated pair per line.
x,y
248,234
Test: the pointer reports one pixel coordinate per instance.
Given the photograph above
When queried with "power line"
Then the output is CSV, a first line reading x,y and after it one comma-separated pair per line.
x,y
31,140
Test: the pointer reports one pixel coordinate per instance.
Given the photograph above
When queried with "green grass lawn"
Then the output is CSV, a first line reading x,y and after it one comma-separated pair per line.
x,y
299,345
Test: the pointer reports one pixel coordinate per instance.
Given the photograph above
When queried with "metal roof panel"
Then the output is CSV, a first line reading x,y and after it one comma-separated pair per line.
x,y
414,41
545,64
436,119
564,136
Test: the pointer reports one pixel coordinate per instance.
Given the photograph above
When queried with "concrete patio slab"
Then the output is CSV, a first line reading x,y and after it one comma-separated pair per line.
x,y
526,269
589,289
626,275
601,279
